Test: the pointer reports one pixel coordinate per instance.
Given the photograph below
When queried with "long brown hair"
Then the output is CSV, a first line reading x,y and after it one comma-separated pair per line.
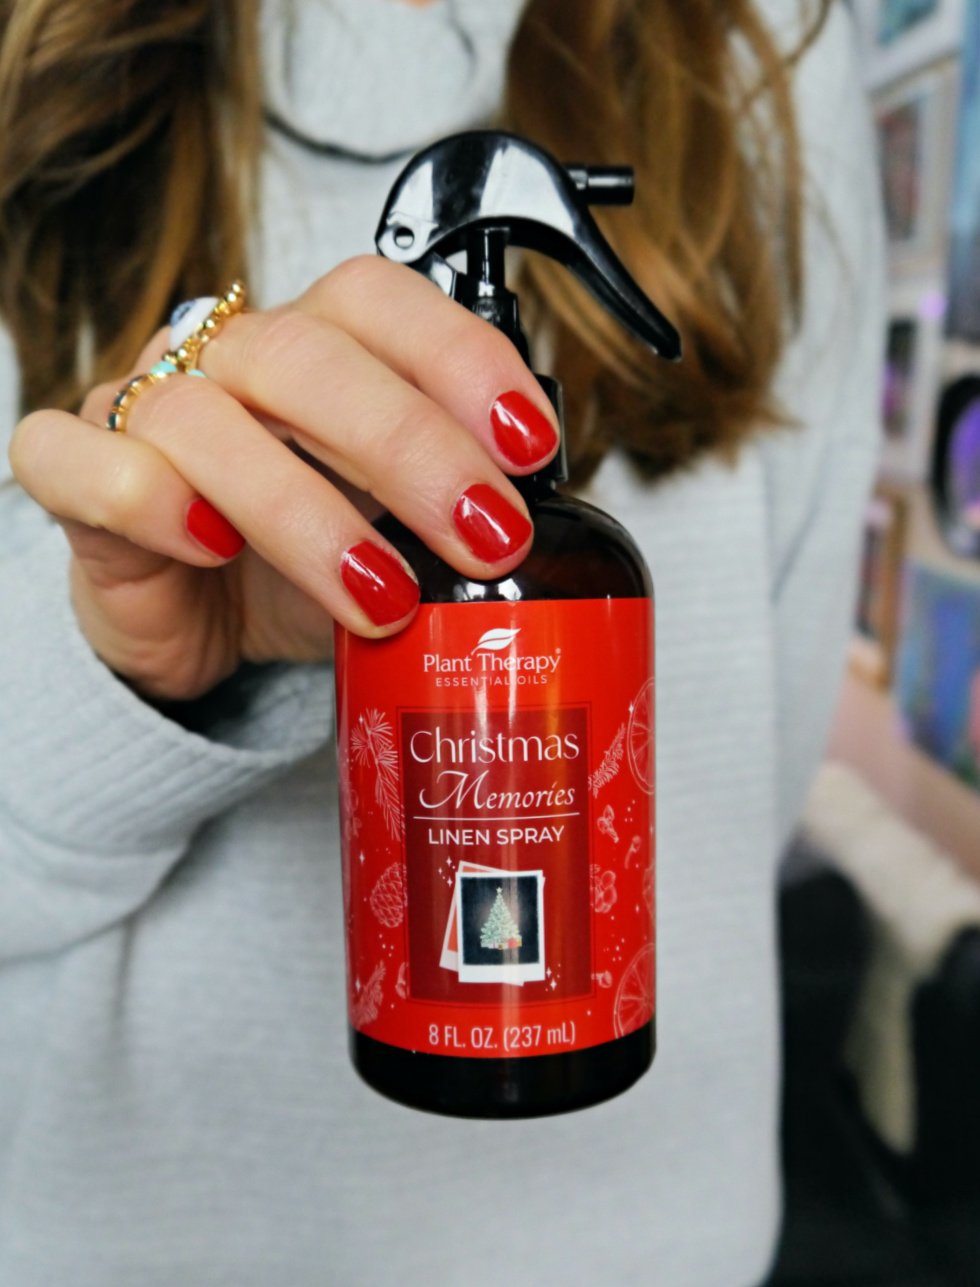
x,y
130,133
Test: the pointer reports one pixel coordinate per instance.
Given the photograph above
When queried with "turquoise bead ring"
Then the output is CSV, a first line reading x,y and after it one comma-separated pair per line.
x,y
123,401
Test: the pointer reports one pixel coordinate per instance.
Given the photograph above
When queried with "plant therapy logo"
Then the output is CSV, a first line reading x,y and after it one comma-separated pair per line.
x,y
493,658
496,640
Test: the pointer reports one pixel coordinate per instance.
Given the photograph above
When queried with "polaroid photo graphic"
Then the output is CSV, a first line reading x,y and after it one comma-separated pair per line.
x,y
500,926
449,959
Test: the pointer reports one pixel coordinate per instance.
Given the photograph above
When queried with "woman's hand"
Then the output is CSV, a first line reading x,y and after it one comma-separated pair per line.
x,y
230,522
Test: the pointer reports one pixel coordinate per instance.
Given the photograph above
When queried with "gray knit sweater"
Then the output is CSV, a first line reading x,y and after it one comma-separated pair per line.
x,y
176,1104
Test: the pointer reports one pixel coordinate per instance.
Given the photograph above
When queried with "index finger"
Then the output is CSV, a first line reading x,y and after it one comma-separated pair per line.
x,y
453,356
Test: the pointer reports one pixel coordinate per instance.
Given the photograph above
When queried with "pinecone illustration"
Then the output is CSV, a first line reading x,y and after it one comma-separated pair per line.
x,y
390,895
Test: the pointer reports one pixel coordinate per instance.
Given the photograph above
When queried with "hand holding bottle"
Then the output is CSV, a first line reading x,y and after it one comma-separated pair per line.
x,y
231,522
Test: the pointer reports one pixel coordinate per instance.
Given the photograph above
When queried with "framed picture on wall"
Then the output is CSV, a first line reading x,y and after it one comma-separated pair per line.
x,y
896,18
900,36
955,475
899,384
963,320
937,675
911,378
914,121
879,591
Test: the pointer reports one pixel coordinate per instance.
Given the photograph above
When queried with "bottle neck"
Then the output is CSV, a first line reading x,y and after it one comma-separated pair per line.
x,y
483,291
536,487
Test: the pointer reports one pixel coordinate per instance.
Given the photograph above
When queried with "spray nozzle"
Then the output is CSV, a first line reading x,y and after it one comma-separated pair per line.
x,y
483,190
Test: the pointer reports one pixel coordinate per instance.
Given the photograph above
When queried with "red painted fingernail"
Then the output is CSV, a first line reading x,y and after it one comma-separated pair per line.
x,y
523,434
379,583
489,525
212,530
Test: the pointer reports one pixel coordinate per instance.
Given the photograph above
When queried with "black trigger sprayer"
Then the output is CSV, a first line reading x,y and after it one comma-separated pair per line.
x,y
484,190
497,755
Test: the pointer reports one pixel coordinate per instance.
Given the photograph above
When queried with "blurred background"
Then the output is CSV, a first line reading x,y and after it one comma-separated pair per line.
x,y
880,903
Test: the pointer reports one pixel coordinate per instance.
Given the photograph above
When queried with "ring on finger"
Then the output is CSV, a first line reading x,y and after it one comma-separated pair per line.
x,y
197,321
123,401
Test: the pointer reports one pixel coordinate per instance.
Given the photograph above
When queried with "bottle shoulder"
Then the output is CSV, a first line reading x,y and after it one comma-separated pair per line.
x,y
579,552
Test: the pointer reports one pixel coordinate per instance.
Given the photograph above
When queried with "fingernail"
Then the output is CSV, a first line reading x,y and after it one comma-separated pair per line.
x,y
489,525
378,583
212,530
523,434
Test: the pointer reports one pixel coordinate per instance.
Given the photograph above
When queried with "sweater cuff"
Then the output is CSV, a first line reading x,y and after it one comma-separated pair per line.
x,y
86,764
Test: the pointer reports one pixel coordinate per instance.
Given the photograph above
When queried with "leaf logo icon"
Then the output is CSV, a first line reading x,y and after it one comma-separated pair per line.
x,y
495,640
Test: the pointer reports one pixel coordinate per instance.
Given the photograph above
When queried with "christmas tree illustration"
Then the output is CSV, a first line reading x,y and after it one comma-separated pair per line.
x,y
500,929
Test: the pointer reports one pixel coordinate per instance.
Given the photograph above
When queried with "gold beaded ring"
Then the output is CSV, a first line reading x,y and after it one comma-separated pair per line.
x,y
181,360
123,401
185,356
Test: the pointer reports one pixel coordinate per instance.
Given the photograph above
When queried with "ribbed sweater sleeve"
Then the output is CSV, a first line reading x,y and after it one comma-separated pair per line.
x,y
100,794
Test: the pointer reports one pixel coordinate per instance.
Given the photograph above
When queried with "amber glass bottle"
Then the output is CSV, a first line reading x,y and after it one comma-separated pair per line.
x,y
497,756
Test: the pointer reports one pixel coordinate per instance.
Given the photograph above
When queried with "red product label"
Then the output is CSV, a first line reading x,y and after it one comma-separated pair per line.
x,y
496,770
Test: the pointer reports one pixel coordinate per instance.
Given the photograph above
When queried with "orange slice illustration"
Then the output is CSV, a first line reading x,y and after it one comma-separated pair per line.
x,y
634,996
640,737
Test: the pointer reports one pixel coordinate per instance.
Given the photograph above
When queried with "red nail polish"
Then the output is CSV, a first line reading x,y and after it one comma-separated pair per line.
x,y
489,525
378,582
522,433
212,530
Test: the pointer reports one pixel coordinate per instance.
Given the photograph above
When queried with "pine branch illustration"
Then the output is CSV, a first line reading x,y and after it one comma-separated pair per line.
x,y
367,1005
610,764
373,744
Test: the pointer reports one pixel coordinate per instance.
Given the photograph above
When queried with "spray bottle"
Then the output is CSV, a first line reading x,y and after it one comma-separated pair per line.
x,y
497,756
